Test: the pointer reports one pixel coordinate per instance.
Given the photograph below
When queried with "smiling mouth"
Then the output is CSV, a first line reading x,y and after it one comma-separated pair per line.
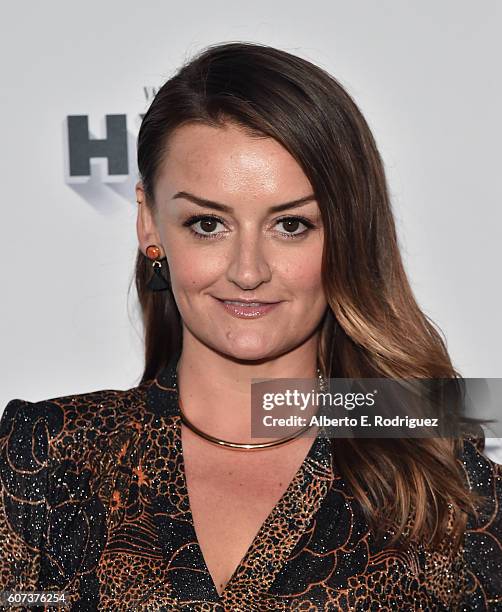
x,y
247,310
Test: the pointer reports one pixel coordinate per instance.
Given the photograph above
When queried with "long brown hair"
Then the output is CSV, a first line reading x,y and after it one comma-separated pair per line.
x,y
373,326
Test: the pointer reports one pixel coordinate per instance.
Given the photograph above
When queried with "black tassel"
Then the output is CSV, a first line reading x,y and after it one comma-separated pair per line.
x,y
157,281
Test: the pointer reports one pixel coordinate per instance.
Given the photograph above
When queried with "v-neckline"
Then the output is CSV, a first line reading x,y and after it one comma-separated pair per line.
x,y
299,477
282,528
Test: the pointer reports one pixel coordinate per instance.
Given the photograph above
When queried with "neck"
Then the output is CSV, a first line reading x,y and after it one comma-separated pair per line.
x,y
215,390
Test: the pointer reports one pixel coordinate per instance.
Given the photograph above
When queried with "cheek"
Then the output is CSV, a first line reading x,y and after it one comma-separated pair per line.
x,y
192,269
302,271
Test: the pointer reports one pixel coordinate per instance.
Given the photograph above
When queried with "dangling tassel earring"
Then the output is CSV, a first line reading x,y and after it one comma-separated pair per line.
x,y
157,281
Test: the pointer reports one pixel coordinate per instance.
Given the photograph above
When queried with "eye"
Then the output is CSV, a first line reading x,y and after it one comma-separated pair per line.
x,y
207,225
291,226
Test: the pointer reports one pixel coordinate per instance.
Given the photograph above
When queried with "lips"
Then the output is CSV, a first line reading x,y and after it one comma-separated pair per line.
x,y
248,310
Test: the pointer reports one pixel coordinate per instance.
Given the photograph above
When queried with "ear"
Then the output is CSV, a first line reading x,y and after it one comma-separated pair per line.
x,y
145,223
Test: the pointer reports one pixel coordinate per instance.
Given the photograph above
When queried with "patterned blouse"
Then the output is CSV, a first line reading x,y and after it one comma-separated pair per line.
x,y
94,502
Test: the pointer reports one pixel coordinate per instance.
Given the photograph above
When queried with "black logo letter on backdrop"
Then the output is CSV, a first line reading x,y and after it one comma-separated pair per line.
x,y
82,148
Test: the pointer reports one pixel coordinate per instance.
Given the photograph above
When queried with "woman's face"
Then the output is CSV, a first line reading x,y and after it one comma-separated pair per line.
x,y
239,249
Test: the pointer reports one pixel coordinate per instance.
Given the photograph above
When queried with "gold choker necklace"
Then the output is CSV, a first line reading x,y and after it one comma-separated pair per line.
x,y
242,445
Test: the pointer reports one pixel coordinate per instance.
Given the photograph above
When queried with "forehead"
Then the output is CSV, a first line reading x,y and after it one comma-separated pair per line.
x,y
218,162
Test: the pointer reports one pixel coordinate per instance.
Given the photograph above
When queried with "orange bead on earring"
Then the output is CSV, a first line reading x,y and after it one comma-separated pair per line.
x,y
152,251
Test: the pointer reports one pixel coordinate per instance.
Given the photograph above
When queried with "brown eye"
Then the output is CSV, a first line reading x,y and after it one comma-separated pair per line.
x,y
203,226
208,225
291,225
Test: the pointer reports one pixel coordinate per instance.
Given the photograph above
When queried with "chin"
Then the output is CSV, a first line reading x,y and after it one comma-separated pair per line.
x,y
249,350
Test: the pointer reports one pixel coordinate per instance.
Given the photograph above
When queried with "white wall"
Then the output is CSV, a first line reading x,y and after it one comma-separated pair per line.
x,y
425,74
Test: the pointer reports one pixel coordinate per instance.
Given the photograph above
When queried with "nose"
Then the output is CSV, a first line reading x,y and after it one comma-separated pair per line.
x,y
248,266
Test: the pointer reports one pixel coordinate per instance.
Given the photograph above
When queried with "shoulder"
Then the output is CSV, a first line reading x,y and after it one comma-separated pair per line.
x,y
482,545
484,477
78,420
482,474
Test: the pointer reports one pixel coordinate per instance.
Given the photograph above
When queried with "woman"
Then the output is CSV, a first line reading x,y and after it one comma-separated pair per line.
x,y
267,249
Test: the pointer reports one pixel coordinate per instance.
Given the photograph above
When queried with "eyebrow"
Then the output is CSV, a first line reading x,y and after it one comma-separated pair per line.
x,y
224,208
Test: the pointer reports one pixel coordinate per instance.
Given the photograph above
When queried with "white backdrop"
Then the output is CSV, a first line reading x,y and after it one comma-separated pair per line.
x,y
426,75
